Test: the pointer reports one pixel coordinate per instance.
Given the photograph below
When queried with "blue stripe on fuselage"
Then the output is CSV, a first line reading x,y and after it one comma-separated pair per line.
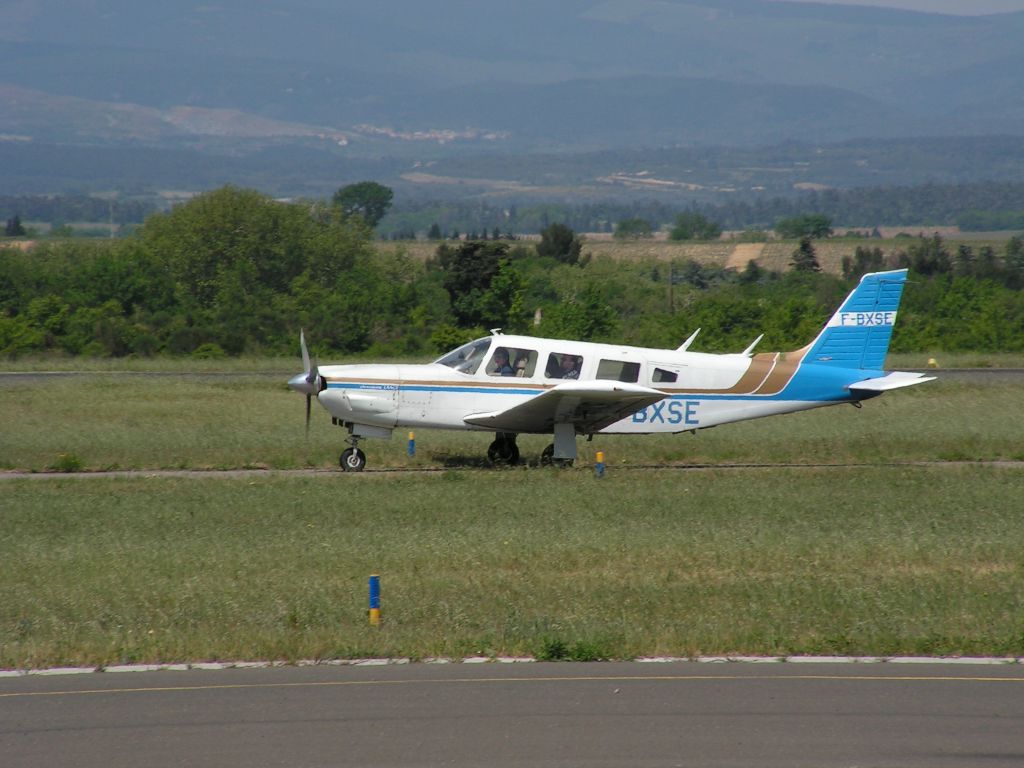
x,y
808,384
391,386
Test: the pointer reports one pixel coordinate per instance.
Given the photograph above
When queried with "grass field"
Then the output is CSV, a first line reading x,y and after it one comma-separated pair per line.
x,y
871,559
863,561
169,422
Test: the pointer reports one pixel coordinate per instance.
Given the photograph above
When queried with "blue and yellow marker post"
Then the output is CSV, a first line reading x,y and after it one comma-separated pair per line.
x,y
599,464
412,444
374,600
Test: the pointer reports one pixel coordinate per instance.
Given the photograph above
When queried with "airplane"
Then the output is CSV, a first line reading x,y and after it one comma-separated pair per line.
x,y
512,385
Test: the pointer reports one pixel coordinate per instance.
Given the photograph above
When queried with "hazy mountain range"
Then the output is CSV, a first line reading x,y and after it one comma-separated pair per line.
x,y
421,80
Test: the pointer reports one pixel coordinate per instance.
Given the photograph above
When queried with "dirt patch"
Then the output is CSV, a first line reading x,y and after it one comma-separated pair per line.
x,y
23,245
742,254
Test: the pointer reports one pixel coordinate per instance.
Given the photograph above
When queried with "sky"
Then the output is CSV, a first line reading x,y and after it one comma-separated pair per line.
x,y
956,7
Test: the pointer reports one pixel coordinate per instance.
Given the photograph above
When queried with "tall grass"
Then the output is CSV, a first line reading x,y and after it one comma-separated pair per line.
x,y
557,563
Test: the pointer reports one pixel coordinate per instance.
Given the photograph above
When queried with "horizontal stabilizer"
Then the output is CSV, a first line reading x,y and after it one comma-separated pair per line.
x,y
894,380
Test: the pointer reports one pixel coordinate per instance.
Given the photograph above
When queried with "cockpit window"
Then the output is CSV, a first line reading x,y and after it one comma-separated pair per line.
x,y
468,357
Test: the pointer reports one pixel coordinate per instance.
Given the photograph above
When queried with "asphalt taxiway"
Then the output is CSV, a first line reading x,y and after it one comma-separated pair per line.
x,y
541,714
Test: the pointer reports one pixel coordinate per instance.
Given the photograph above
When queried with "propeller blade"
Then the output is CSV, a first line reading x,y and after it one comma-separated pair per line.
x,y
305,351
308,382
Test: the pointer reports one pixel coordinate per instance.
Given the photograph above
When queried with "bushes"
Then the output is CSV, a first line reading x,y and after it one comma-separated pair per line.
x,y
235,272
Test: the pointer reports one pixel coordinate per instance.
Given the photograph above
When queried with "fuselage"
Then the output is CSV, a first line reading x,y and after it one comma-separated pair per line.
x,y
501,371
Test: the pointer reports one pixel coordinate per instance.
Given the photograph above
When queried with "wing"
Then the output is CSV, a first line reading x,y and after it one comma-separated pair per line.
x,y
589,405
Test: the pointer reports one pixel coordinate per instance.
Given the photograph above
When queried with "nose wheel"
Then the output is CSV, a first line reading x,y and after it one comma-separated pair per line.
x,y
352,460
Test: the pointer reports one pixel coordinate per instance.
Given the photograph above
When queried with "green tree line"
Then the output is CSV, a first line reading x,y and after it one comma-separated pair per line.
x,y
62,208
234,272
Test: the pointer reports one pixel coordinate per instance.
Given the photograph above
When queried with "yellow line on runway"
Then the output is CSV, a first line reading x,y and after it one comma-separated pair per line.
x,y
547,679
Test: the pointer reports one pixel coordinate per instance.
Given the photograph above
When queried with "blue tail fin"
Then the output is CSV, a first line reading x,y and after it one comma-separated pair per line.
x,y
858,334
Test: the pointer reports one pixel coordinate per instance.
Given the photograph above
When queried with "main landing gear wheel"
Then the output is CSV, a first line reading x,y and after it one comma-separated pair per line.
x,y
352,460
547,458
503,451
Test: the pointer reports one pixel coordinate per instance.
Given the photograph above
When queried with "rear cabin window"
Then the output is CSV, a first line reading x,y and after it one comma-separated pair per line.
x,y
618,370
661,375
563,366
512,361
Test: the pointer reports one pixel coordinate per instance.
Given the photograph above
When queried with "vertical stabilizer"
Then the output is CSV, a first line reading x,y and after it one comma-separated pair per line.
x,y
858,334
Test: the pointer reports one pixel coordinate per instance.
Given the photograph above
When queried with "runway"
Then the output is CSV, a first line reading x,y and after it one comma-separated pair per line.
x,y
477,466
513,715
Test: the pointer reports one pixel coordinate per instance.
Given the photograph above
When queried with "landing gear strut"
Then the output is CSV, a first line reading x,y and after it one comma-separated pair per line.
x,y
352,459
562,452
547,458
504,449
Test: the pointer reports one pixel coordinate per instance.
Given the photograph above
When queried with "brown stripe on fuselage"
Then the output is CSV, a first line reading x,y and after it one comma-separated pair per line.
x,y
505,383
760,368
783,372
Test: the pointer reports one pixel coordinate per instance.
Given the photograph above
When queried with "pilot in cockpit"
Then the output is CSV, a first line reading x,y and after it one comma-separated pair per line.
x,y
499,365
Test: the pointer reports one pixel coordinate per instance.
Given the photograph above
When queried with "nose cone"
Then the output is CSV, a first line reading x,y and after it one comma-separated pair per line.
x,y
301,383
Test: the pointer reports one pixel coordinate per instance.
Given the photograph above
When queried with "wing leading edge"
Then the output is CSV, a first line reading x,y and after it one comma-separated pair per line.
x,y
589,406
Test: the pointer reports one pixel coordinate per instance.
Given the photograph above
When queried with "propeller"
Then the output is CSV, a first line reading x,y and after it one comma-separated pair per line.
x,y
309,382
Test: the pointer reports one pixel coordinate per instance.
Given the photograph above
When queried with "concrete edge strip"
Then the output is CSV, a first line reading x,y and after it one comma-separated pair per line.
x,y
219,665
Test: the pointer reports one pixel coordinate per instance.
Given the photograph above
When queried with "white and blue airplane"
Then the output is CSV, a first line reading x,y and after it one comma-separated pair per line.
x,y
513,385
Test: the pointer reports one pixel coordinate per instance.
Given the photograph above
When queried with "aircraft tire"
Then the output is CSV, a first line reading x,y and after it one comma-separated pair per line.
x,y
352,460
503,451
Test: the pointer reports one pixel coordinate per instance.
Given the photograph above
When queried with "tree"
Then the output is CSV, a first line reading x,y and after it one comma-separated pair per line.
x,y
864,260
964,260
14,227
1013,258
633,229
434,233
816,225
481,284
367,199
691,225
560,242
752,273
928,256
585,316
804,258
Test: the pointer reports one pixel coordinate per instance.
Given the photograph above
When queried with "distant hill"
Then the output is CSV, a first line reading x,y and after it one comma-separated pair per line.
x,y
489,64
361,81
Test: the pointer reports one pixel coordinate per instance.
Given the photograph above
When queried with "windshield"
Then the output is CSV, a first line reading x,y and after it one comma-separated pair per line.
x,y
468,357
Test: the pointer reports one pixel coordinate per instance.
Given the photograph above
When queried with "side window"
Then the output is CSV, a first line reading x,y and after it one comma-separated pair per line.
x,y
661,375
524,362
512,361
618,370
563,366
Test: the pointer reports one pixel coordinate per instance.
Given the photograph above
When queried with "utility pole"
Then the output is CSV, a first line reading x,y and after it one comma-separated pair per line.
x,y
671,287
